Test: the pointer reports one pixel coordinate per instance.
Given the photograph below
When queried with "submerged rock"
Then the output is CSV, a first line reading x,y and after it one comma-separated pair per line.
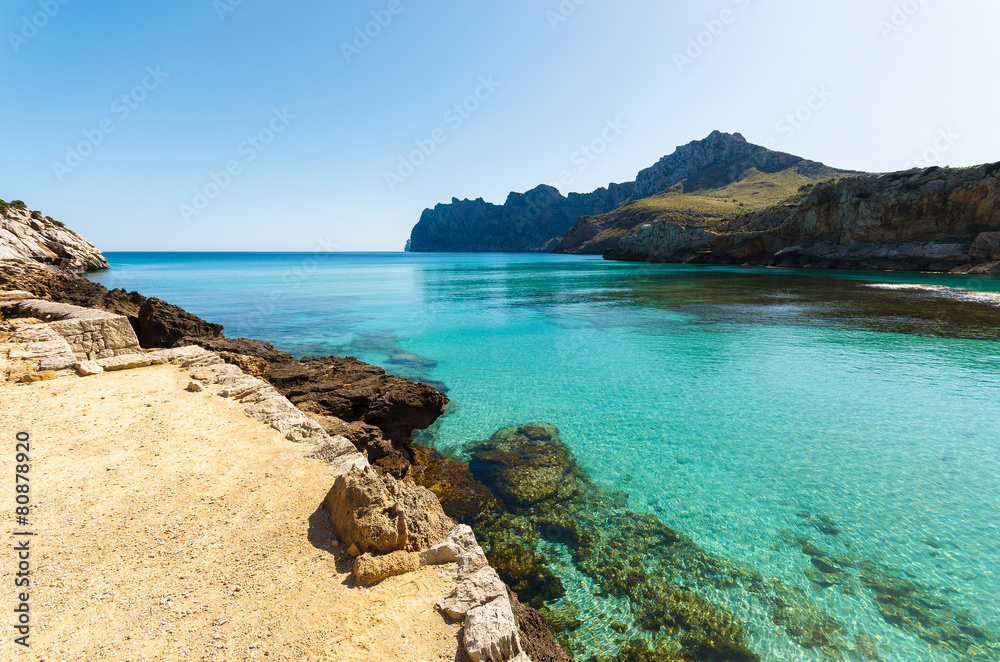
x,y
522,465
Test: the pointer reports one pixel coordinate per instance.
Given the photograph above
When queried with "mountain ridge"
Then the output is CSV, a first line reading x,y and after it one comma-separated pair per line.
x,y
541,219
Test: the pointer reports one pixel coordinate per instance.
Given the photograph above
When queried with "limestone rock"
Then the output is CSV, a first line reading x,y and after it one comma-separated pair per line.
x,y
459,540
469,563
88,368
426,522
91,334
39,341
27,235
491,633
370,570
195,386
481,588
363,513
125,362
13,296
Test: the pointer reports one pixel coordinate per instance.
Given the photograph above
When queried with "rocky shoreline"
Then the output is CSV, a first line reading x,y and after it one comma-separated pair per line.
x,y
355,415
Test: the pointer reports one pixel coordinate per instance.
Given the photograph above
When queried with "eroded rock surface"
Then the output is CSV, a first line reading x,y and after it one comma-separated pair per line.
x,y
27,235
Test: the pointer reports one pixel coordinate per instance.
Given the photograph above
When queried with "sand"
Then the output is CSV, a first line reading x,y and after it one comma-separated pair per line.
x,y
171,526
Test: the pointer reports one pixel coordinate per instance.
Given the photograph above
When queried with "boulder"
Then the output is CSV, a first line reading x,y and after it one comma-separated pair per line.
x,y
363,512
426,523
491,633
459,541
370,570
195,386
470,563
987,246
161,324
88,368
481,588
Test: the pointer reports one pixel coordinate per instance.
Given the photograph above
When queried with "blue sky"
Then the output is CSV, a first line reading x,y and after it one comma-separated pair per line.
x,y
252,125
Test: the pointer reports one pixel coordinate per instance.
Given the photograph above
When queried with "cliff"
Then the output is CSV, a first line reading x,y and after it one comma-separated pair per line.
x,y
28,235
526,222
937,219
704,181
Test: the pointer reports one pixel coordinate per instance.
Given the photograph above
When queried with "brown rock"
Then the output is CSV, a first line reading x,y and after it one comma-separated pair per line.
x,y
426,523
32,377
987,246
370,570
363,512
536,637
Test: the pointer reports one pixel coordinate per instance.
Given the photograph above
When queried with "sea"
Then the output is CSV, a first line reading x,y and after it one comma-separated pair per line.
x,y
724,401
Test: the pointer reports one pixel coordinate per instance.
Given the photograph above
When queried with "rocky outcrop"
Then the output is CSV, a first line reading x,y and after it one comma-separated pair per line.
x,y
27,235
936,219
376,411
543,220
91,334
526,222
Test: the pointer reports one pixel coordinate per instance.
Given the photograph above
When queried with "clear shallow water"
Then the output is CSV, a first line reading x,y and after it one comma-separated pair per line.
x,y
724,401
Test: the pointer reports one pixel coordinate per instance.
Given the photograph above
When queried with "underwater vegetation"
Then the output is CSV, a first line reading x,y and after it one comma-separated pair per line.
x,y
523,490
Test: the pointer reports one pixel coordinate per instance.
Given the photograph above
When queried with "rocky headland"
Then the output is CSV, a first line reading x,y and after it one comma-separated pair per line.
x,y
57,325
935,219
704,181
723,200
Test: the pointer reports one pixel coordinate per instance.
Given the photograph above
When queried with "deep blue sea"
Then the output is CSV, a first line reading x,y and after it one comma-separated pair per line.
x,y
724,401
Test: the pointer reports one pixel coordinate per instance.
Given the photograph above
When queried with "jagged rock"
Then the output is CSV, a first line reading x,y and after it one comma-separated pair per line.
x,y
481,588
491,633
88,368
161,324
27,235
370,570
336,450
987,246
354,391
469,563
364,513
536,637
426,523
459,540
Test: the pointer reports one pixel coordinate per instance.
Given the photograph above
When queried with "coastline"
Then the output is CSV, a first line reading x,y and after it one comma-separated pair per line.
x,y
390,409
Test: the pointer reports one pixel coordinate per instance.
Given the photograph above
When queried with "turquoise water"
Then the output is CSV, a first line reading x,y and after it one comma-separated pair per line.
x,y
722,400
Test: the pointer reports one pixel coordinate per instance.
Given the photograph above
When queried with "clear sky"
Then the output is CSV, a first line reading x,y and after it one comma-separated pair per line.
x,y
116,115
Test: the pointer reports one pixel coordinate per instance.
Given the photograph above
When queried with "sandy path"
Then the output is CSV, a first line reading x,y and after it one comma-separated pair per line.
x,y
171,526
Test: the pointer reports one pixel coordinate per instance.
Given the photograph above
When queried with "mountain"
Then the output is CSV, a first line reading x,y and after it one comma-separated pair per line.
x,y
704,182
932,219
